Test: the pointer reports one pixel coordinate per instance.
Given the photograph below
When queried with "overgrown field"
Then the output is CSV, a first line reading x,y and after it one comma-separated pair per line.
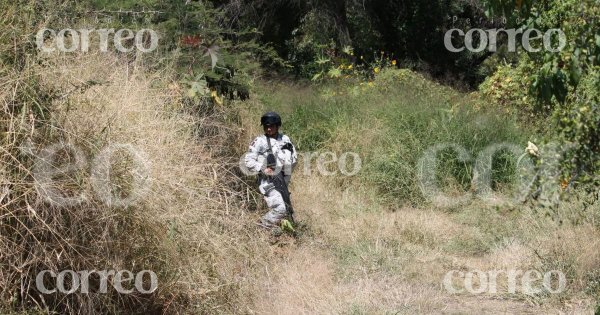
x,y
122,161
392,121
374,243
367,243
127,161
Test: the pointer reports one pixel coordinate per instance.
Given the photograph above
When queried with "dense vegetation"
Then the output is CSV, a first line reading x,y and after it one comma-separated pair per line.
x,y
372,77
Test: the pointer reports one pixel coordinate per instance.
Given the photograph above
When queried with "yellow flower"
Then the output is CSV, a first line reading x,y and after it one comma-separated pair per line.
x,y
393,62
564,184
370,83
376,69
349,67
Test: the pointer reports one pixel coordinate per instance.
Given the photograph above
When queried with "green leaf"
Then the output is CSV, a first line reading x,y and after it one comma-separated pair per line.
x,y
334,73
322,61
347,50
286,225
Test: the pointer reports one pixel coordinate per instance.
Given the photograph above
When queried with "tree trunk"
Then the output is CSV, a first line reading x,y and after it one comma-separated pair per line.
x,y
337,9
341,21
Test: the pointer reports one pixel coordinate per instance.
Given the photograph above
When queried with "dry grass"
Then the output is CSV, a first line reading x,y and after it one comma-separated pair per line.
x,y
185,227
354,254
358,254
361,258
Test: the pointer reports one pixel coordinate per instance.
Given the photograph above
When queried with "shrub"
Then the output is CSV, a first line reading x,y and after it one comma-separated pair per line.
x,y
563,84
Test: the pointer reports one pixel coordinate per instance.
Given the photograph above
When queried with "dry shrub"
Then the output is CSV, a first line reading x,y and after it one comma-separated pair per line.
x,y
184,224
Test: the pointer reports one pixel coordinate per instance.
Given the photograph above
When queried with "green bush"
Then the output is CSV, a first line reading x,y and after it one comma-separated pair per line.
x,y
564,85
509,86
579,123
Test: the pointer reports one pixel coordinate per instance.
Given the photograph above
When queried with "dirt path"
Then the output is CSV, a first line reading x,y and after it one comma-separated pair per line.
x,y
356,257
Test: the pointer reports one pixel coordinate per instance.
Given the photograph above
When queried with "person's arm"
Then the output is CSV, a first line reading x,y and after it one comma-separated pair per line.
x,y
252,158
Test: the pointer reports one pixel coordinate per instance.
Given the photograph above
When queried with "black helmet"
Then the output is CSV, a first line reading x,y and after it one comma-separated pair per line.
x,y
270,118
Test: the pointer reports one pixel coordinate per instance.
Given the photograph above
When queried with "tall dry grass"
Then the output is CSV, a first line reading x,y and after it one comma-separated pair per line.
x,y
187,224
